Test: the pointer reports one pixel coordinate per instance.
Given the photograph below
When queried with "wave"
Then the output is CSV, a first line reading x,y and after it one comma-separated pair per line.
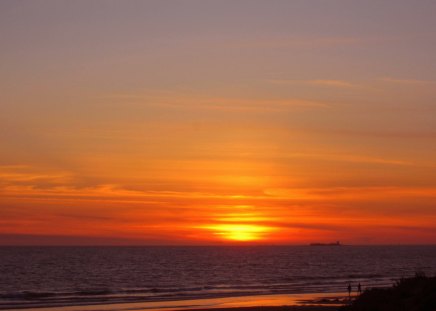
x,y
111,275
152,294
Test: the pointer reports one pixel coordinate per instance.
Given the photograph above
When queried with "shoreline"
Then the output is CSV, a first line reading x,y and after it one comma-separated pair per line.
x,y
275,302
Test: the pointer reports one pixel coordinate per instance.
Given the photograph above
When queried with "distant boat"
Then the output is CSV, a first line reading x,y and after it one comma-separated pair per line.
x,y
337,243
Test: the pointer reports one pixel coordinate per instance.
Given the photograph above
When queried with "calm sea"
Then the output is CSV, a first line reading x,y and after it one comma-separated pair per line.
x,y
48,276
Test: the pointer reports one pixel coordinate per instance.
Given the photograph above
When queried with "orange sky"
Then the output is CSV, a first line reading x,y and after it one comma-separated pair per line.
x,y
217,122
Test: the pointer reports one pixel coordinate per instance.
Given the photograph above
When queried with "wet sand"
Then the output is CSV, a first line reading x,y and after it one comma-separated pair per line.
x,y
262,308
277,308
284,302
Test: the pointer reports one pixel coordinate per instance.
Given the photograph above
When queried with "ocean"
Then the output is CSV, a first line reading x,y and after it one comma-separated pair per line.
x,y
62,276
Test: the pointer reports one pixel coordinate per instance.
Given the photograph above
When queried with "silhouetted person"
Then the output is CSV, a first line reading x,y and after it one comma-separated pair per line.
x,y
359,288
349,290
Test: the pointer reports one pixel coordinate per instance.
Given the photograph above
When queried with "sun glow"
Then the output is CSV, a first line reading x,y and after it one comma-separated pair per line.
x,y
240,232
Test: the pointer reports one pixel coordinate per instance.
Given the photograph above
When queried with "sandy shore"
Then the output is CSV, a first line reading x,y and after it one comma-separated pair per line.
x,y
277,308
262,308
137,308
284,302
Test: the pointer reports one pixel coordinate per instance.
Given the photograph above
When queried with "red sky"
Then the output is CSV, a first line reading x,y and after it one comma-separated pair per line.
x,y
278,122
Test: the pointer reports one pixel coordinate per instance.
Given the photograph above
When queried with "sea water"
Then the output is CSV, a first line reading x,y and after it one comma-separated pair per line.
x,y
57,276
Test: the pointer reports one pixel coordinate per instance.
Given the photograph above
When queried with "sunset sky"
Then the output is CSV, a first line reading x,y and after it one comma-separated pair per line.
x,y
217,122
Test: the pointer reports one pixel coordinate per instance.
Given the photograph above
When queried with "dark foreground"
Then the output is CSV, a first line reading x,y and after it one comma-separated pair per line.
x,y
282,308
69,276
408,294
411,294
294,302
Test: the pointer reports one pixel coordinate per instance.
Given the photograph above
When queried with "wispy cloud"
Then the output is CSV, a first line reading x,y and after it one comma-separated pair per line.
x,y
23,174
318,82
351,193
345,157
385,133
333,83
304,42
193,101
408,81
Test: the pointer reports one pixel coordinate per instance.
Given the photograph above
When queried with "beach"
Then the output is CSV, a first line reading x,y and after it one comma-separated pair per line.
x,y
313,301
259,308
168,278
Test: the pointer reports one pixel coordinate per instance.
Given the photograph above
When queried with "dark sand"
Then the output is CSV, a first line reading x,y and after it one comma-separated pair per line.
x,y
283,302
266,308
278,308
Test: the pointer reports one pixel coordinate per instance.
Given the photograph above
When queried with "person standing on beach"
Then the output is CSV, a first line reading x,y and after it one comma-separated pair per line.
x,y
349,290
359,288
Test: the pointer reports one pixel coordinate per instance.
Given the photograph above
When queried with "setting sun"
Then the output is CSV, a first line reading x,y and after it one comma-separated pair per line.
x,y
240,232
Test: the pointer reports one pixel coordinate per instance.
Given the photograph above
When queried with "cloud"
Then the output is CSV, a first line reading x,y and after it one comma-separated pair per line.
x,y
344,157
48,239
415,134
332,83
408,81
358,194
193,101
320,82
302,42
24,174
